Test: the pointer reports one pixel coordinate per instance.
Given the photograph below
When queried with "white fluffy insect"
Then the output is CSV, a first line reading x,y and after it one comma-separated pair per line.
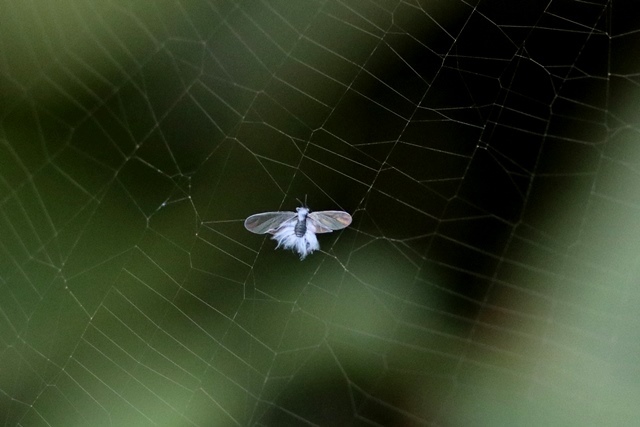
x,y
297,230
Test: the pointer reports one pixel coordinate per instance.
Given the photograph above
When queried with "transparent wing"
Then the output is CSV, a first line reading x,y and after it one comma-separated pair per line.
x,y
327,221
267,222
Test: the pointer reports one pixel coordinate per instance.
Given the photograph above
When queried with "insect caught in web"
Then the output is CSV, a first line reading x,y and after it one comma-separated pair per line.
x,y
297,230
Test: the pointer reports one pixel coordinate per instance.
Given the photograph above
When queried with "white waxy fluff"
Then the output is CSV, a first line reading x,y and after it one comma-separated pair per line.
x,y
286,237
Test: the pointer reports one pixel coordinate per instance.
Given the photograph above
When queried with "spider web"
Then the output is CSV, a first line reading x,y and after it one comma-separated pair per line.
x,y
488,152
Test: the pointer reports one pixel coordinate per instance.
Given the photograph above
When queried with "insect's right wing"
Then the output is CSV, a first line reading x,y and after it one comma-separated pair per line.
x,y
267,222
328,221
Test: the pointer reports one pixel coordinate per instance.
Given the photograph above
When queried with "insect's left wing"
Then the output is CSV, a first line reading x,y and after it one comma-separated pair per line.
x,y
327,221
267,222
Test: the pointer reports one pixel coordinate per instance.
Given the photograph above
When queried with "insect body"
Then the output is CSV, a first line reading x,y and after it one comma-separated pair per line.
x,y
297,230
